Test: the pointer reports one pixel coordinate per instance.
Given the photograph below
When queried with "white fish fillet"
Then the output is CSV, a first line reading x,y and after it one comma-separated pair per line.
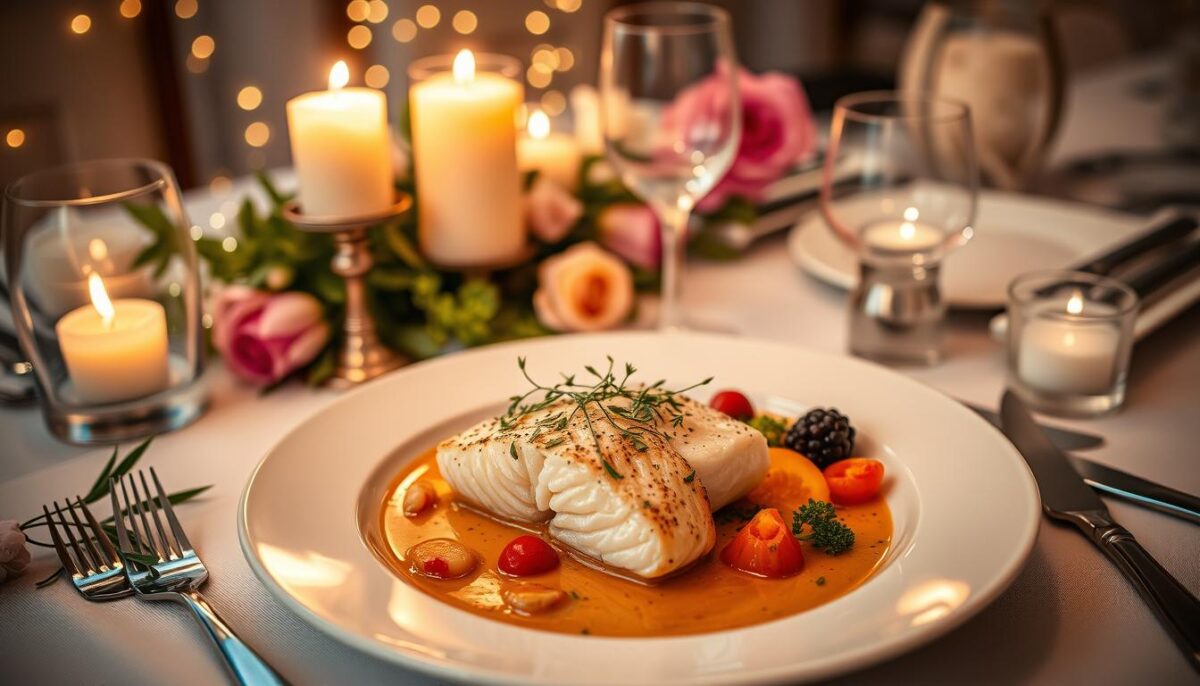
x,y
648,515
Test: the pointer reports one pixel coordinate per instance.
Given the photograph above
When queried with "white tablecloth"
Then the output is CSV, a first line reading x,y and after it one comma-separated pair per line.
x,y
1070,617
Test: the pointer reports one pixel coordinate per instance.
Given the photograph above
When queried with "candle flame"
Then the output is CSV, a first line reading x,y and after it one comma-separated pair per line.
x,y
539,125
1075,304
339,76
911,214
100,299
464,67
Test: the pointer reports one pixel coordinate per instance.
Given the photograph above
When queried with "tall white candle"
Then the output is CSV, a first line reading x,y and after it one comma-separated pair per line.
x,y
341,149
554,155
114,350
465,156
1067,356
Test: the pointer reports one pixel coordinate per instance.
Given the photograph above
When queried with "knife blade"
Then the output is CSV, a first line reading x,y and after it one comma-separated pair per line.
x,y
1066,497
1065,439
1135,489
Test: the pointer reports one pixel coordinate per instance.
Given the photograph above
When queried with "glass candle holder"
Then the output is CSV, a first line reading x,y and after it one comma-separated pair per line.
x,y
105,295
1069,339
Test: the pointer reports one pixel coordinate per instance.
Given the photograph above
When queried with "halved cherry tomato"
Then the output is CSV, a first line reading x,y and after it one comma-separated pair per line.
x,y
765,547
732,403
790,481
526,556
854,480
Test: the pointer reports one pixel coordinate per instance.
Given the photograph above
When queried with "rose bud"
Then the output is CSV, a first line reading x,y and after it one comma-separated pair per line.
x,y
266,336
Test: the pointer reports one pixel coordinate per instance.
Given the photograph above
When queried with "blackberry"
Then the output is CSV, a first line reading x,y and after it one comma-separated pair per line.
x,y
823,436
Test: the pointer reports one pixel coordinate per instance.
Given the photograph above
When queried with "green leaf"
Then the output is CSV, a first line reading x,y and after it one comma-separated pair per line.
x,y
323,369
512,450
132,458
273,193
140,558
611,470
400,244
690,477
100,488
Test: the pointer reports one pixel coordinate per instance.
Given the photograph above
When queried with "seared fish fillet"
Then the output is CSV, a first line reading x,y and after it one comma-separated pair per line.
x,y
642,511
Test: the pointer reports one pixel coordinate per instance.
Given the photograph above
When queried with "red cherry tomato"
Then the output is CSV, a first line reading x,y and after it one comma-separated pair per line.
x,y
855,480
765,547
527,556
732,403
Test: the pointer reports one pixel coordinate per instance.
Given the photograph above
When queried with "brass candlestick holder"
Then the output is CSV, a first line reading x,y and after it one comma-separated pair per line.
x,y
362,356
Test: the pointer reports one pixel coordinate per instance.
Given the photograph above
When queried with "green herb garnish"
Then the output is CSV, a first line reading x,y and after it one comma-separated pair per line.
x,y
825,531
512,449
690,477
770,426
820,581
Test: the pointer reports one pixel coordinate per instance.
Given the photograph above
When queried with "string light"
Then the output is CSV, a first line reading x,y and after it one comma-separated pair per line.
x,y
377,76
377,11
554,103
220,185
359,37
196,232
186,9
15,138
358,10
546,58
81,24
229,243
404,30
428,16
537,22
566,59
196,65
257,134
130,8
538,76
216,220
203,47
465,22
249,98
570,5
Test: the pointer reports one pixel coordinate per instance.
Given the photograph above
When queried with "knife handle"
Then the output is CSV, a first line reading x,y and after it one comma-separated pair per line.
x,y
1176,608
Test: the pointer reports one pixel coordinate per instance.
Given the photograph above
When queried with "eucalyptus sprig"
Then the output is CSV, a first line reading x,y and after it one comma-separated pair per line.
x,y
100,489
648,406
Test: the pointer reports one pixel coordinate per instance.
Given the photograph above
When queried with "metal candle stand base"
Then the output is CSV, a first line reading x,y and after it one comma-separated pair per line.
x,y
362,356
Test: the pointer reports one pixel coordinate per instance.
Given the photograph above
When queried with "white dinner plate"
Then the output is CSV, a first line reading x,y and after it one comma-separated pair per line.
x,y
964,505
1014,234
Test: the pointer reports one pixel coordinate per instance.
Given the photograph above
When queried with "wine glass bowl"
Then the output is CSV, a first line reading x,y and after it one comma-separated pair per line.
x,y
671,115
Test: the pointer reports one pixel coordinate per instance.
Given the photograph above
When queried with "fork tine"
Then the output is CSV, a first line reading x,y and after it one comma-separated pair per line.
x,y
165,503
70,564
85,566
101,534
169,550
131,543
141,510
93,552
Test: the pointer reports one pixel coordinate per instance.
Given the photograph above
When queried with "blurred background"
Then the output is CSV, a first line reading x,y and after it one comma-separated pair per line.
x,y
202,84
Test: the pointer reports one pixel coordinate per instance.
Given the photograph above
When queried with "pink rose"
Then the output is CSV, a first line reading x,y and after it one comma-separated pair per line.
x,y
14,555
583,288
777,131
631,231
266,336
550,210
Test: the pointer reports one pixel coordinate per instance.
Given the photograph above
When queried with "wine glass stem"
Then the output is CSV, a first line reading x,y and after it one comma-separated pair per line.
x,y
674,224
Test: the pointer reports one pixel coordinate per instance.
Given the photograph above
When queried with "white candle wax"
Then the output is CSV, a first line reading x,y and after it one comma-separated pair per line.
x,y
69,247
115,350
465,156
902,236
341,149
553,155
1066,356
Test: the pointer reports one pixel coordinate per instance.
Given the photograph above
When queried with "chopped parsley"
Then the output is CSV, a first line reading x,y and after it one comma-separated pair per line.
x,y
816,522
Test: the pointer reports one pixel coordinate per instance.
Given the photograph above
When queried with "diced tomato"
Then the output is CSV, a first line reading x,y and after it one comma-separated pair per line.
x,y
854,480
765,547
527,556
437,567
732,403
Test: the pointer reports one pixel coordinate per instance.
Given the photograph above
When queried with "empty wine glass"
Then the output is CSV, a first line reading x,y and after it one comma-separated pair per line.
x,y
671,116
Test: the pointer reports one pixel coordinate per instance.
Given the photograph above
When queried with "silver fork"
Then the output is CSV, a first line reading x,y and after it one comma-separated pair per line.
x,y
93,563
166,567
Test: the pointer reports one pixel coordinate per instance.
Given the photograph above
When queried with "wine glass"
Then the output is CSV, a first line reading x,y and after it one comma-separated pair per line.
x,y
900,186
671,116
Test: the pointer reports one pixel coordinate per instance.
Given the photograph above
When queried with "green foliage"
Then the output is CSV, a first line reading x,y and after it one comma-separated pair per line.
x,y
770,426
825,531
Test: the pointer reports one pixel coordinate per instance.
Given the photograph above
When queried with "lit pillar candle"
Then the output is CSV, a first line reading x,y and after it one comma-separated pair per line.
x,y
553,155
465,157
1067,356
114,350
341,149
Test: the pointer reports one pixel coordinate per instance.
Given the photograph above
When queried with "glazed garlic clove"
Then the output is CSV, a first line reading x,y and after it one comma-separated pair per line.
x,y
419,497
442,558
531,599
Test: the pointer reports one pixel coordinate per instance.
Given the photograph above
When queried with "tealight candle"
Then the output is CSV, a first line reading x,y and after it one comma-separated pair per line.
x,y
465,154
341,149
554,155
1067,356
114,350
902,236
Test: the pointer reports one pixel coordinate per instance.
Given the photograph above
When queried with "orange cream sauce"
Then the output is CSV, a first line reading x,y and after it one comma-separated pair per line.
x,y
709,596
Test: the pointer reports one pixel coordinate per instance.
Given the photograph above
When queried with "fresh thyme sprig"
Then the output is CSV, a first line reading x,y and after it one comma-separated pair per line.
x,y
647,409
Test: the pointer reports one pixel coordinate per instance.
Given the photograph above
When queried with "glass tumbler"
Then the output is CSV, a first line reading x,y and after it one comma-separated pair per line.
x,y
105,294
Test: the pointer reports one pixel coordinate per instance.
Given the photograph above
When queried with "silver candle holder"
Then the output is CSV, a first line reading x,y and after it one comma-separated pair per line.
x,y
361,356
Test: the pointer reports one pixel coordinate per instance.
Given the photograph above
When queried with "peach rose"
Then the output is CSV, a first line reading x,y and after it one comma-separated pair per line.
x,y
584,288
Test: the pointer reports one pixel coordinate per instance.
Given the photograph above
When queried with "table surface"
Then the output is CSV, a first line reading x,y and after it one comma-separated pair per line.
x,y
1069,616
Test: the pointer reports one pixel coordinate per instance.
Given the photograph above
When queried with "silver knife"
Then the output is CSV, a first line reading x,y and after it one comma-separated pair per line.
x,y
1139,491
1065,439
1067,498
